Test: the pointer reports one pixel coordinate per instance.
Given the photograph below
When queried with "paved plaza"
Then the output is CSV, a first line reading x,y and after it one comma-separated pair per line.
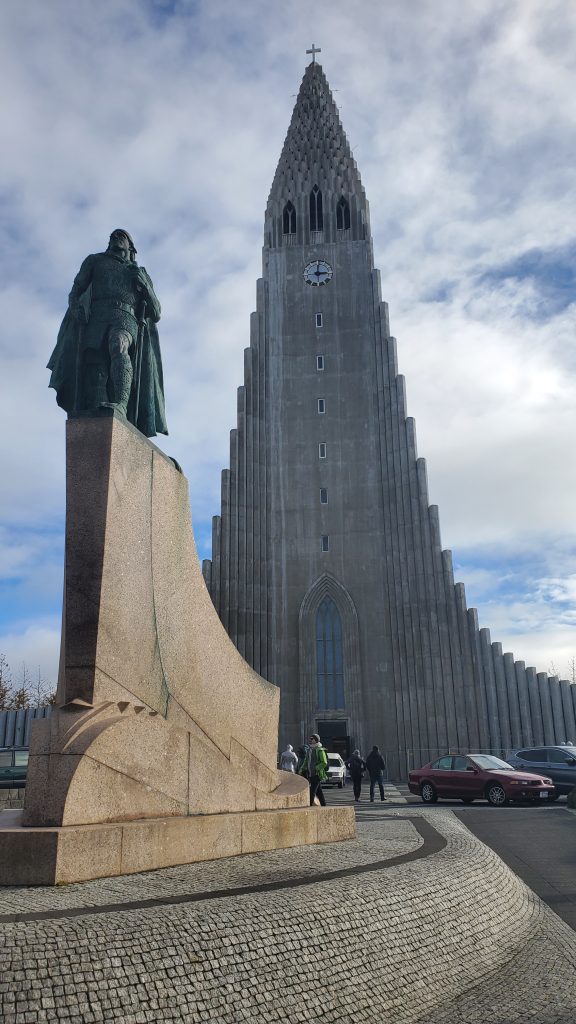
x,y
414,921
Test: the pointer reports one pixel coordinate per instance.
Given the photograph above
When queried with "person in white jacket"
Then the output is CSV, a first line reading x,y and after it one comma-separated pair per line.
x,y
288,759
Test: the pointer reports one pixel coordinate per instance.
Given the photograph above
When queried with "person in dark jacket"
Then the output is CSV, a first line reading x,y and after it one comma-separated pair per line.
x,y
315,768
302,755
376,766
356,766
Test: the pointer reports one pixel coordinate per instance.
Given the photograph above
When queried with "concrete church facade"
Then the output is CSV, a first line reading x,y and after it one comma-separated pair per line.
x,y
327,568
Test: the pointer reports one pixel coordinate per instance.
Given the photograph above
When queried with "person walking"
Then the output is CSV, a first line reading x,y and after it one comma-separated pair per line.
x,y
302,755
356,766
376,766
315,768
288,759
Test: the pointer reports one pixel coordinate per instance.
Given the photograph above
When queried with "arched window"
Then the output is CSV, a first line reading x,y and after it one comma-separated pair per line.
x,y
316,218
342,213
289,220
329,667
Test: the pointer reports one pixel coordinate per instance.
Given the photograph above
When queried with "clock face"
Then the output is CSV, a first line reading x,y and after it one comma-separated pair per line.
x,y
318,272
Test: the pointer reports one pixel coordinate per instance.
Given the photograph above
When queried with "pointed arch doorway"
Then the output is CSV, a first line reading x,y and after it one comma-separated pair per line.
x,y
330,677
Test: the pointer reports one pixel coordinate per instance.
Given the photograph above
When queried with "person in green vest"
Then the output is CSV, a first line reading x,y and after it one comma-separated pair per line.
x,y
315,767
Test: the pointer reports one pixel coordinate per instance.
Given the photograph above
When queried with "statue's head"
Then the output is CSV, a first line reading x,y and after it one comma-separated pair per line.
x,y
122,244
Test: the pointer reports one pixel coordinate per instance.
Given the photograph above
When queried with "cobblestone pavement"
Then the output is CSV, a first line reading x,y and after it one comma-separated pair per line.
x,y
450,938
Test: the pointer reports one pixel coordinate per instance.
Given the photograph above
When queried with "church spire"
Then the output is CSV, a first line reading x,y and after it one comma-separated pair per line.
x,y
316,155
316,146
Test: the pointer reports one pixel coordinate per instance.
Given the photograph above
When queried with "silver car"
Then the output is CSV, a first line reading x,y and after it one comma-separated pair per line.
x,y
558,763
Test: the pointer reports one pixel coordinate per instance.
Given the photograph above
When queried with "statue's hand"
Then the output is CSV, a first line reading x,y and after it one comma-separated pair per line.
x,y
138,279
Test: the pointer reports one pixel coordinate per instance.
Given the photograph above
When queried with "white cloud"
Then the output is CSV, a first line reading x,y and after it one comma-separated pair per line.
x,y
35,646
168,119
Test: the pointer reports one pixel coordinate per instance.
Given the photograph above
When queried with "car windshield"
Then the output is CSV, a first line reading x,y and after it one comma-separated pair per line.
x,y
490,763
334,761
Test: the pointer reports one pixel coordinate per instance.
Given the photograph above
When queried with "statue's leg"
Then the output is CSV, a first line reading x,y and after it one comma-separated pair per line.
x,y
94,376
119,342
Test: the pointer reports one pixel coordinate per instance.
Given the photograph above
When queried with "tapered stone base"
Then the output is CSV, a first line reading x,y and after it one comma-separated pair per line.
x,y
162,750
56,856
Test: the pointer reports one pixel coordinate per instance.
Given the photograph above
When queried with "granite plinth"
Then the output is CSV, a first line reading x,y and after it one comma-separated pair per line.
x,y
162,750
58,855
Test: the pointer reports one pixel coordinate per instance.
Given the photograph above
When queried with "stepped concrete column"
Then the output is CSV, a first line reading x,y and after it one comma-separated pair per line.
x,y
470,704
502,696
524,702
462,734
513,702
490,689
479,687
535,705
569,716
546,707
559,723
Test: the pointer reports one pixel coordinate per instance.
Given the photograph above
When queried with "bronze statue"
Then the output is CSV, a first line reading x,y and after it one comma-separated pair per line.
x,y
107,353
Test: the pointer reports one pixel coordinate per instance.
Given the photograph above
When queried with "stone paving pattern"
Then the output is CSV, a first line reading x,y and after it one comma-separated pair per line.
x,y
453,937
11,798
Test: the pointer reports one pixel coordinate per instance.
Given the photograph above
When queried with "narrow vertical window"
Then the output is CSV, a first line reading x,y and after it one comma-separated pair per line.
x,y
321,405
289,220
318,319
342,214
323,496
322,450
319,362
316,216
325,542
329,655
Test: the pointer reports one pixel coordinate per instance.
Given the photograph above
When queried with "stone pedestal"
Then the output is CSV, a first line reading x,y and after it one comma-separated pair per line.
x,y
163,730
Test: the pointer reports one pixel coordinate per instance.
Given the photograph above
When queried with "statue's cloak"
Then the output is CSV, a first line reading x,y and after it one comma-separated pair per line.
x,y
64,364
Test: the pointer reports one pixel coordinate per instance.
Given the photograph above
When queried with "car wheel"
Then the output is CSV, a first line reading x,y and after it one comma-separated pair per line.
x,y
467,799
428,793
340,784
496,795
553,796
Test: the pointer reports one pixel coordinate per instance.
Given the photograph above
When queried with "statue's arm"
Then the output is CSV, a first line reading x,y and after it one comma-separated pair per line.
x,y
152,304
81,283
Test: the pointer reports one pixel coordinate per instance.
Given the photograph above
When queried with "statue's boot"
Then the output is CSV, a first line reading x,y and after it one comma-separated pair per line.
x,y
121,374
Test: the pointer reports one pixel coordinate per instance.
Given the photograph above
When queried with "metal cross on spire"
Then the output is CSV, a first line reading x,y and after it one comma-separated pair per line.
x,y
314,51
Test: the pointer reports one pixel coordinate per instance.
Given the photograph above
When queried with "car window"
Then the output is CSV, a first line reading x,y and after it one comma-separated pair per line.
x,y
21,758
460,764
557,756
443,763
490,763
5,758
538,754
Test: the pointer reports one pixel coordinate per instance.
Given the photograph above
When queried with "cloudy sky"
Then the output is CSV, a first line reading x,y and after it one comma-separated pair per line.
x,y
167,117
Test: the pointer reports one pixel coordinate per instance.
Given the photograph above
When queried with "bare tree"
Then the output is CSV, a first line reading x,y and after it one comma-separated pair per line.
x,y
28,693
5,683
20,699
41,691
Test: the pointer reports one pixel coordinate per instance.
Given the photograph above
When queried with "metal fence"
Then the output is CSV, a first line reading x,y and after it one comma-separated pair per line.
x,y
15,725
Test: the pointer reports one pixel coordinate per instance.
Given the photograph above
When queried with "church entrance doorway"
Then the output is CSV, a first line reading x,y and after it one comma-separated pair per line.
x,y
334,736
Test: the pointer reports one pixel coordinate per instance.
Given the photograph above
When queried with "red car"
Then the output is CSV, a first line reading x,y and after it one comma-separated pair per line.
x,y
471,777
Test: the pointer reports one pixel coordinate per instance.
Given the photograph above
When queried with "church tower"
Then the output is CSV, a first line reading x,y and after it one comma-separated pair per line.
x,y
327,568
